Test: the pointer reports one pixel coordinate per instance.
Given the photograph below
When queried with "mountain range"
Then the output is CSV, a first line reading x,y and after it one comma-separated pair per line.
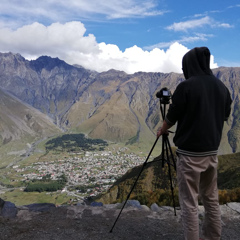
x,y
46,96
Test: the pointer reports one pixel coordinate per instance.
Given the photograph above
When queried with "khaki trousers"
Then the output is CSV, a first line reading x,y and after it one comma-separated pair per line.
x,y
198,176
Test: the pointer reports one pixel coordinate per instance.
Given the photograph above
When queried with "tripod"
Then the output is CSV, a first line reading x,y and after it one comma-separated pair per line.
x,y
164,96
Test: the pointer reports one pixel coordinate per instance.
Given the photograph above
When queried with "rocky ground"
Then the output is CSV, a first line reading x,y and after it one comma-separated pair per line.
x,y
46,221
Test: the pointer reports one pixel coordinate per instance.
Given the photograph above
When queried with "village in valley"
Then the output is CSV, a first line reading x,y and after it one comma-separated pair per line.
x,y
88,173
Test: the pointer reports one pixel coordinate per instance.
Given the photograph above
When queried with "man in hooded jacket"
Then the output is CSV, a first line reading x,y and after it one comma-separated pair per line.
x,y
200,105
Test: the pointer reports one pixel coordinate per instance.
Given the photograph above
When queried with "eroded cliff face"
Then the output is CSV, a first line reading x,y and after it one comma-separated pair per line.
x,y
111,105
230,77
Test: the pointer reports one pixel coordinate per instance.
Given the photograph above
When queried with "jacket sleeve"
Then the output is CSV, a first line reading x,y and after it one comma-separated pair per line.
x,y
176,109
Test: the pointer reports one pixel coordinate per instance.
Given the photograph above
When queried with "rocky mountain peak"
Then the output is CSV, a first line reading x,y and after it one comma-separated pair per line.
x,y
10,60
48,63
11,56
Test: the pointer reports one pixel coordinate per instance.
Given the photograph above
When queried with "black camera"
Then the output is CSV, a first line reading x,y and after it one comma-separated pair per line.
x,y
164,95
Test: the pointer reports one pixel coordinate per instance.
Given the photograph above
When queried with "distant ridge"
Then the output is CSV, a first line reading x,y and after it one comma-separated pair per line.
x,y
111,105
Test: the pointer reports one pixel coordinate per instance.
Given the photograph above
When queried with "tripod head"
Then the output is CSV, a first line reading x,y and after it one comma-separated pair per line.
x,y
164,95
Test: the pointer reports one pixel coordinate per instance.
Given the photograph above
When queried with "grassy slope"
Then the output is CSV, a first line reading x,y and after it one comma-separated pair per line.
x,y
19,197
229,171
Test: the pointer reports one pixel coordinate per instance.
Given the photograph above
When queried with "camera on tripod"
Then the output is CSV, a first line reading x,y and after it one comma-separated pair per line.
x,y
164,95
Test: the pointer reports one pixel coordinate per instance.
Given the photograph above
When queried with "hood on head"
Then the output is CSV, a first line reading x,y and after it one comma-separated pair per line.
x,y
196,62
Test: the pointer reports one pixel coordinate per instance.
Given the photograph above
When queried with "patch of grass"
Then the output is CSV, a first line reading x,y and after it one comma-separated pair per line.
x,y
228,161
20,198
133,139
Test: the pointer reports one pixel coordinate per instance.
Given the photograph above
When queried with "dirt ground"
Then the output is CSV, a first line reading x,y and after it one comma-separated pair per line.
x,y
95,223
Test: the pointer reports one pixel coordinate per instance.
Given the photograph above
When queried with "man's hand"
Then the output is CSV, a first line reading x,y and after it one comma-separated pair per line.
x,y
163,129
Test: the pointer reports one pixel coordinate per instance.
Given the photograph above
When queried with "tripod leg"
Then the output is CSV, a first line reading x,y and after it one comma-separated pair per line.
x,y
169,146
134,184
163,143
170,179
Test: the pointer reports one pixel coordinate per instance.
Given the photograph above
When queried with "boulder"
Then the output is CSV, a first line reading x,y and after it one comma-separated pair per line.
x,y
9,210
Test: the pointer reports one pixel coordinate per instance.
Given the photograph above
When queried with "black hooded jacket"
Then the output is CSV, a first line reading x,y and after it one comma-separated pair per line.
x,y
200,105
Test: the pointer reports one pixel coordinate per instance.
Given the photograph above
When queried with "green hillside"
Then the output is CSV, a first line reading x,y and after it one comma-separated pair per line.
x,y
229,171
153,185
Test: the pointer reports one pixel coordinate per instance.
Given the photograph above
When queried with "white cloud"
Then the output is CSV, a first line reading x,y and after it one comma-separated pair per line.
x,y
55,40
69,43
47,11
225,25
183,40
113,8
234,6
196,23
212,64
184,26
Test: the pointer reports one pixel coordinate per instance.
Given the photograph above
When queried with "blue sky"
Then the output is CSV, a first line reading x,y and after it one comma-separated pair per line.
x,y
128,35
